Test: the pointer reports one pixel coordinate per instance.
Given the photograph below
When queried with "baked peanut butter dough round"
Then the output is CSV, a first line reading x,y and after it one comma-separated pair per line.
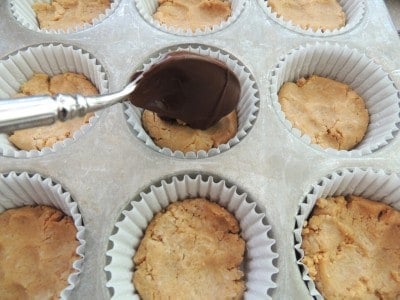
x,y
180,137
314,14
352,248
329,112
46,136
37,250
192,14
64,14
191,251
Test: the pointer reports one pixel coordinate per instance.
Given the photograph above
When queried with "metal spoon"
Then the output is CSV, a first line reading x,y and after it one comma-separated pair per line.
x,y
26,112
195,89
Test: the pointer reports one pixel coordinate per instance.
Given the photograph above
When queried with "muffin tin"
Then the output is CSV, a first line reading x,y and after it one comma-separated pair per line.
x,y
108,166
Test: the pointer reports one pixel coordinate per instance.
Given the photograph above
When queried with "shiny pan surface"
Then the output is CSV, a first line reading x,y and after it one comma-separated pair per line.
x,y
109,166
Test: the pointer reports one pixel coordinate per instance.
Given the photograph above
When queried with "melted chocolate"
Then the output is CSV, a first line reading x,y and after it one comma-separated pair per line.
x,y
192,88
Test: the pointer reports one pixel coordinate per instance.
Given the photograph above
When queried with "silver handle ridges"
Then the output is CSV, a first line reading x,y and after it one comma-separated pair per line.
x,y
26,112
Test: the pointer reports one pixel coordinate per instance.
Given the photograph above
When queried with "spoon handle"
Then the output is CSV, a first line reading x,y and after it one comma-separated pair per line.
x,y
26,112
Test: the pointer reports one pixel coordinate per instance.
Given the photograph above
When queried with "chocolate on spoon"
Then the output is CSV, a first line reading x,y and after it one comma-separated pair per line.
x,y
195,89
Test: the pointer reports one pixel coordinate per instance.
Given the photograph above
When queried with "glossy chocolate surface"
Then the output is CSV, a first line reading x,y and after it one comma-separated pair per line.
x,y
192,88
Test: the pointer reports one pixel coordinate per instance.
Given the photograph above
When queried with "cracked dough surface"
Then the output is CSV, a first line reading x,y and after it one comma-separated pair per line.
x,y
329,112
37,249
46,136
64,14
192,14
352,248
176,136
191,251
314,14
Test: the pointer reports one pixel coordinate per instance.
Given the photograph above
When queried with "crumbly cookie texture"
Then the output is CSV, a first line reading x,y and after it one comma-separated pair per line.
x,y
329,112
352,248
177,136
65,14
314,14
192,14
46,136
37,250
191,251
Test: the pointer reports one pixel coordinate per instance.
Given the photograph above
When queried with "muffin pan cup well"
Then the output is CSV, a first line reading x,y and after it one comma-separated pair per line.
x,y
371,184
108,166
354,10
50,59
259,266
348,66
23,12
147,8
23,189
247,107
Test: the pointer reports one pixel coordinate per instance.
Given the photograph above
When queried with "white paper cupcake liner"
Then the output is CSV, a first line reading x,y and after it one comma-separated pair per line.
x,y
259,263
17,190
23,12
50,59
368,183
148,7
247,107
354,10
348,66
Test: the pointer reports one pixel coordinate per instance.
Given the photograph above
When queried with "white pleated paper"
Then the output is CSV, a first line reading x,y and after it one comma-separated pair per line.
x,y
148,7
259,258
368,183
50,59
354,10
246,108
23,12
18,190
348,66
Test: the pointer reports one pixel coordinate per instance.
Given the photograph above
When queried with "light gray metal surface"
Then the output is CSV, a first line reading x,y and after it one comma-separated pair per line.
x,y
393,7
108,166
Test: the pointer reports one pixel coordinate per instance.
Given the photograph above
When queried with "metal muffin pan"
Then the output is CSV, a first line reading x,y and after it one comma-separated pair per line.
x,y
109,166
